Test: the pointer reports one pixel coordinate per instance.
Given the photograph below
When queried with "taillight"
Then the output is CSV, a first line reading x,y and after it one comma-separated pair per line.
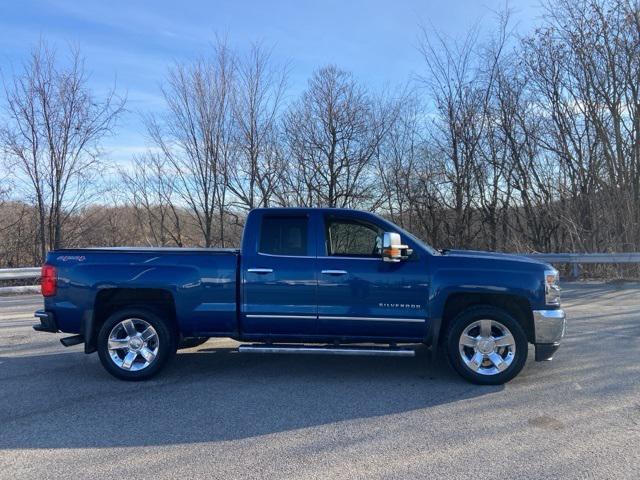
x,y
48,280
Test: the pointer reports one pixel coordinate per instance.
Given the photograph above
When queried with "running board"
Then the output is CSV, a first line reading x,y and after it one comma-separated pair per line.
x,y
329,350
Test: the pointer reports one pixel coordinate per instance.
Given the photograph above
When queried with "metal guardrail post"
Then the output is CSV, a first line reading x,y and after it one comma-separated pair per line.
x,y
575,271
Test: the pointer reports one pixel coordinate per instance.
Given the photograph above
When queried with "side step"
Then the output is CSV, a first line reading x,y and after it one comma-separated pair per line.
x,y
328,350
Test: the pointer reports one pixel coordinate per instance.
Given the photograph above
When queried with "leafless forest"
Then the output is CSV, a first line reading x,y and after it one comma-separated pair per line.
x,y
515,142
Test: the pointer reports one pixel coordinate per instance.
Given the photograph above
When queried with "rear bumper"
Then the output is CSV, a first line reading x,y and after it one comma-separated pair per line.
x,y
47,322
550,326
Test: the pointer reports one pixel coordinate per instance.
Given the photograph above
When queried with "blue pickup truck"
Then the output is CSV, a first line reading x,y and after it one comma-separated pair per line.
x,y
320,281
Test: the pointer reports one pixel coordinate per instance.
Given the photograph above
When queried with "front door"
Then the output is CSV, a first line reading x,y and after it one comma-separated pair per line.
x,y
360,295
280,279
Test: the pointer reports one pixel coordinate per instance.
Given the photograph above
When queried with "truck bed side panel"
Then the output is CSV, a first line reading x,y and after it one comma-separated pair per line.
x,y
202,284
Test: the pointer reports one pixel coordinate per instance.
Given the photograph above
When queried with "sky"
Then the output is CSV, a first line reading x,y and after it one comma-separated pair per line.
x,y
131,43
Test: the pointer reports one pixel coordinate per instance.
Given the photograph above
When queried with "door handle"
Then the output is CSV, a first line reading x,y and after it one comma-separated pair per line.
x,y
334,272
260,271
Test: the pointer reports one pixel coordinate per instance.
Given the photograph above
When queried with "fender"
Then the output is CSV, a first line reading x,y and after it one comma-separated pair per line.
x,y
448,281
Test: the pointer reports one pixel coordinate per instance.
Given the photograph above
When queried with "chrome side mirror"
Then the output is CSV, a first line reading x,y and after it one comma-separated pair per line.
x,y
392,248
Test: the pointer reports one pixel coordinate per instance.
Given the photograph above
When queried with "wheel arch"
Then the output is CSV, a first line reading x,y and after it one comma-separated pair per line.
x,y
110,300
517,306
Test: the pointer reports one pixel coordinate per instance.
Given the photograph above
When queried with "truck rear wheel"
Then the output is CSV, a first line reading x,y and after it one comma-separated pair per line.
x,y
486,345
135,344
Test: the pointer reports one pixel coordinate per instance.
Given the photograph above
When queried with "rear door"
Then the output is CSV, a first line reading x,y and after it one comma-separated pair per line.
x,y
280,278
360,295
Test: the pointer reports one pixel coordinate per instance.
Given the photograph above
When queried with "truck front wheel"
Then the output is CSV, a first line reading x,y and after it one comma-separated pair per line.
x,y
134,344
486,345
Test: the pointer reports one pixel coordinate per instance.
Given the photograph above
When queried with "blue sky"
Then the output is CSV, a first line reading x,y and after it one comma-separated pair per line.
x,y
133,42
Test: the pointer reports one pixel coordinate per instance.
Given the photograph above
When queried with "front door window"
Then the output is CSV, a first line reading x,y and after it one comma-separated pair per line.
x,y
353,239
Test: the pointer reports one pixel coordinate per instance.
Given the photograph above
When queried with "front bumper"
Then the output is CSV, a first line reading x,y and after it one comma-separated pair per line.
x,y
550,326
47,322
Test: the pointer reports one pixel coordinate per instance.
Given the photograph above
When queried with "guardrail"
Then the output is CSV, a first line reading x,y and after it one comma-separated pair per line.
x,y
573,259
578,259
20,274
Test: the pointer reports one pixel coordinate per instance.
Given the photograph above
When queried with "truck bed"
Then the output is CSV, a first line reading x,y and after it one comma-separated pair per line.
x,y
201,281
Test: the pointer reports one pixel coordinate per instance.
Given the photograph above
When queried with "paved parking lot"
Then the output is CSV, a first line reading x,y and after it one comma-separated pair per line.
x,y
219,414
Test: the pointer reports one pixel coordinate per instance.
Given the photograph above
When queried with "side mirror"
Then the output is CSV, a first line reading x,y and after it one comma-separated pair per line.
x,y
392,248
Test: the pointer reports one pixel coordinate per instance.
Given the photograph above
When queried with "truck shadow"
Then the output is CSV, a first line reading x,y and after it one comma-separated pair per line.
x,y
210,395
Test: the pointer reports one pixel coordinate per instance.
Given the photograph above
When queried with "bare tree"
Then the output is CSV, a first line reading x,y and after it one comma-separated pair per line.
x,y
150,189
51,136
459,91
195,136
5,189
332,133
398,161
259,91
583,73
516,143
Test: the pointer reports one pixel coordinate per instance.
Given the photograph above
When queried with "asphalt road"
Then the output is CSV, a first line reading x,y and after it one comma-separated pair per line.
x,y
218,414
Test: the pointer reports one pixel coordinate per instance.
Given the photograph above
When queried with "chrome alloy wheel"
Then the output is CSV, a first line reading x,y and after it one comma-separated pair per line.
x,y
487,347
133,344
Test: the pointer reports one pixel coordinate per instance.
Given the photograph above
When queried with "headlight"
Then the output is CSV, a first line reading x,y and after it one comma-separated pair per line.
x,y
551,287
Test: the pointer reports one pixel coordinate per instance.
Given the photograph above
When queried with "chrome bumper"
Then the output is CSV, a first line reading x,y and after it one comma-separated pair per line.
x,y
549,325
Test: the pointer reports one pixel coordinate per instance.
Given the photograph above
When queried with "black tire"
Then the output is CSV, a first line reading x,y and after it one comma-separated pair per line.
x,y
166,344
191,342
465,319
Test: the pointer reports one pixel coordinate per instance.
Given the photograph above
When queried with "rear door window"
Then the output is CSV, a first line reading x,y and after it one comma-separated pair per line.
x,y
284,235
